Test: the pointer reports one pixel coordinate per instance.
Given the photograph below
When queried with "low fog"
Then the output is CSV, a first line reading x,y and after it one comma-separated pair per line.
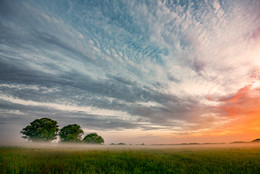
x,y
81,146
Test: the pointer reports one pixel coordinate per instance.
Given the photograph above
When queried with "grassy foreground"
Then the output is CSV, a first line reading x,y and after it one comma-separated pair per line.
x,y
146,160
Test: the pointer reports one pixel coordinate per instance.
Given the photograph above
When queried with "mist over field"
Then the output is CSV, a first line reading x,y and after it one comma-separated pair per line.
x,y
148,159
166,147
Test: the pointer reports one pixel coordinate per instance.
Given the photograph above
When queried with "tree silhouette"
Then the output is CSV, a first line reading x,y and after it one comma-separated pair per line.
x,y
256,140
71,133
93,138
44,129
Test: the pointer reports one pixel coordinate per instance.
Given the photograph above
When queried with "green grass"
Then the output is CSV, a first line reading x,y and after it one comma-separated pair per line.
x,y
168,160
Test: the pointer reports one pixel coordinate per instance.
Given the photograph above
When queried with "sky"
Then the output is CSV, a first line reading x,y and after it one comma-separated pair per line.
x,y
151,71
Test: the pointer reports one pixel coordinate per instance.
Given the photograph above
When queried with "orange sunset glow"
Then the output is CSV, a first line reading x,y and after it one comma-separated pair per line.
x,y
157,72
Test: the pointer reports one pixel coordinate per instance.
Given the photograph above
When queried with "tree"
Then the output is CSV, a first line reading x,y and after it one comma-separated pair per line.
x,y
93,138
44,129
71,133
256,140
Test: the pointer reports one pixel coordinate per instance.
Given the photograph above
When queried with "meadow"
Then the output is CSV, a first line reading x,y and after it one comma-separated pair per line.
x,y
128,159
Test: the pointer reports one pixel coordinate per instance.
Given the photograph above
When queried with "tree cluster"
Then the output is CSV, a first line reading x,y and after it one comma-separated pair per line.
x,y
46,129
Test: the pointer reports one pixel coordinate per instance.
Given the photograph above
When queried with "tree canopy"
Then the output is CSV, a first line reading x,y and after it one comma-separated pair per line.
x,y
256,140
93,138
44,129
71,133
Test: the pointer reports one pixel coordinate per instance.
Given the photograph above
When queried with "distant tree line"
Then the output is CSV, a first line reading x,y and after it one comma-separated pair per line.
x,y
46,129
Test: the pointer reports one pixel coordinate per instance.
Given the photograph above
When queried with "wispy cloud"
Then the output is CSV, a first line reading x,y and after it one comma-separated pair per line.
x,y
142,65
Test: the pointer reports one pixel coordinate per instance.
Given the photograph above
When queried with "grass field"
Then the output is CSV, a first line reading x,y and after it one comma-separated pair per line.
x,y
106,159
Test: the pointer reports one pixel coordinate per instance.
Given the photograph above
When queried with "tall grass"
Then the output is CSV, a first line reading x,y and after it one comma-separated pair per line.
x,y
33,160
